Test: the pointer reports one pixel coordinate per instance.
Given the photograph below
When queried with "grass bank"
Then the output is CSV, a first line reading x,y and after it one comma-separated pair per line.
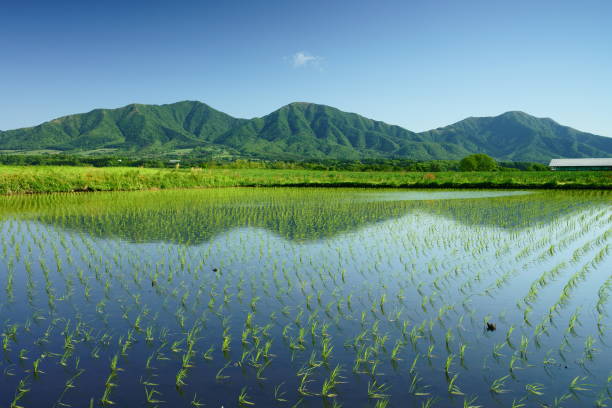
x,y
47,179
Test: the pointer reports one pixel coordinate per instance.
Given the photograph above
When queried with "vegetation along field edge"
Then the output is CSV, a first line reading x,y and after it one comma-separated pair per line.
x,y
47,179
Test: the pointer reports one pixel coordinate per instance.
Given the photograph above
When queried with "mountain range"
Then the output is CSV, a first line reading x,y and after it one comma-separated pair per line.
x,y
299,131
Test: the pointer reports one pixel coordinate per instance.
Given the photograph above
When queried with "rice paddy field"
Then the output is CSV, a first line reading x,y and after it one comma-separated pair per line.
x,y
291,297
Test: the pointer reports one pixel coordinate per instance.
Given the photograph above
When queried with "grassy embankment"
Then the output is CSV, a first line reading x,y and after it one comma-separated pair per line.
x,y
46,179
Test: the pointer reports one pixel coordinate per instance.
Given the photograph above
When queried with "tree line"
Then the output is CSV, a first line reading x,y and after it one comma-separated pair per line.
x,y
474,162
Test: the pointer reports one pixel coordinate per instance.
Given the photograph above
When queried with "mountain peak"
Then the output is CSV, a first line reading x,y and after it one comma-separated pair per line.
x,y
299,105
178,103
516,113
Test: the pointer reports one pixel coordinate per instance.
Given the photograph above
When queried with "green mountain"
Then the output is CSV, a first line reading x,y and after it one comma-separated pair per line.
x,y
136,127
300,131
518,136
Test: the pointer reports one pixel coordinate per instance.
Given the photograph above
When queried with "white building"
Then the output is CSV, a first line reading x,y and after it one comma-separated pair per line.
x,y
581,164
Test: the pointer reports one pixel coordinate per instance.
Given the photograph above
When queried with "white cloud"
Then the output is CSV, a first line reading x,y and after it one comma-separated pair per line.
x,y
304,59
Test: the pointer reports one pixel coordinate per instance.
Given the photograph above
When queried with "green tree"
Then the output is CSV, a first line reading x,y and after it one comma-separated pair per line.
x,y
468,164
478,162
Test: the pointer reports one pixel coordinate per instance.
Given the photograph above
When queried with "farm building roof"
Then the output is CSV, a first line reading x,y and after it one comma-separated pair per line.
x,y
580,162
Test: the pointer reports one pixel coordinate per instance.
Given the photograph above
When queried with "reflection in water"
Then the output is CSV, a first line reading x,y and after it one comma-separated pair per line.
x,y
194,216
199,297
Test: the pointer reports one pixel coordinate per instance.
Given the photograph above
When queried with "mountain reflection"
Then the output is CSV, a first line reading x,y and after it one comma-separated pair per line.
x,y
193,216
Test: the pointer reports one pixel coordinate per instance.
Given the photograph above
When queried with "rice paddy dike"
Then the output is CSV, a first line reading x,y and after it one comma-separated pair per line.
x,y
306,297
49,179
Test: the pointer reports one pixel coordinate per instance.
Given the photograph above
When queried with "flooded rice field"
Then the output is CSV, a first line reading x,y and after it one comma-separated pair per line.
x,y
306,298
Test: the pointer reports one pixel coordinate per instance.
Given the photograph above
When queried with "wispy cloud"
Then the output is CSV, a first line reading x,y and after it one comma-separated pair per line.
x,y
305,59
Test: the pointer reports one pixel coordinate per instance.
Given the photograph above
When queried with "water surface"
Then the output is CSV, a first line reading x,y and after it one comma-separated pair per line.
x,y
390,288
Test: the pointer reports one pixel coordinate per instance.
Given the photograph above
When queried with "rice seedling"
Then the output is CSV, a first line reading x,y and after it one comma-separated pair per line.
x,y
589,349
278,394
326,349
243,398
195,402
430,352
452,386
497,350
518,403
36,371
462,349
497,387
151,396
377,391
535,389
558,401
448,338
577,385
523,347
429,402
226,343
304,375
219,376
20,392
330,383
381,403
469,403
448,363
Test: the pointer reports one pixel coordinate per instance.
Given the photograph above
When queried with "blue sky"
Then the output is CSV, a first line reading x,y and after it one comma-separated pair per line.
x,y
417,64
